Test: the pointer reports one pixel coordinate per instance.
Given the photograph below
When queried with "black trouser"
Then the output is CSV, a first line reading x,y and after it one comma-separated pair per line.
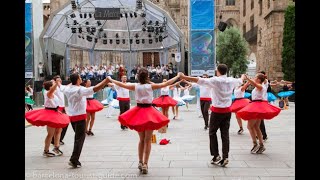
x,y
79,128
222,121
64,130
263,129
124,106
205,105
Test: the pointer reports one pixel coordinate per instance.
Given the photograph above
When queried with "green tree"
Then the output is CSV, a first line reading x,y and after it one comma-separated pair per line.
x,y
232,50
289,45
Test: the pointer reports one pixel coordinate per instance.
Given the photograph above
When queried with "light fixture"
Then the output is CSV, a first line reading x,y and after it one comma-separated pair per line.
x,y
136,35
143,29
88,29
110,41
105,35
143,14
131,41
131,15
87,23
75,22
74,30
160,38
121,15
95,40
73,4
104,41
150,29
135,14
117,35
80,15
100,29
156,40
90,15
157,23
80,30
72,15
117,41
150,22
79,36
150,41
89,38
149,35
142,40
162,29
123,41
144,23
137,41
99,23
93,29
85,15
126,15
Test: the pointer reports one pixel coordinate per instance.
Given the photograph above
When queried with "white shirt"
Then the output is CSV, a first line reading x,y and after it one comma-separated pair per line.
x,y
266,95
30,93
60,97
40,67
205,92
259,95
50,103
76,96
122,92
164,91
186,92
176,92
89,96
222,87
238,93
144,93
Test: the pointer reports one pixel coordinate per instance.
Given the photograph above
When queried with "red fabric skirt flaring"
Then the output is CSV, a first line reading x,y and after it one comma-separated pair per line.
x,y
258,110
94,105
164,101
239,104
143,118
47,117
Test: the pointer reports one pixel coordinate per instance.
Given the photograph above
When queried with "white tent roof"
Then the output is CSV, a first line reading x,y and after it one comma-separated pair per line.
x,y
56,35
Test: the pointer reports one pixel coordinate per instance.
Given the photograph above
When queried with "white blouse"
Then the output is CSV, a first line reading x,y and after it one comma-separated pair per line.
x,y
238,93
165,91
143,93
50,103
259,95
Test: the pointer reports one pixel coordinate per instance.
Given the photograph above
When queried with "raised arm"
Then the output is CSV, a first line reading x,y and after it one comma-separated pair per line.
x,y
259,86
100,85
189,78
52,89
245,86
164,84
130,87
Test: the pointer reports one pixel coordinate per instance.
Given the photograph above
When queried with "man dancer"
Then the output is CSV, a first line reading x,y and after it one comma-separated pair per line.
x,y
123,98
205,102
77,103
222,87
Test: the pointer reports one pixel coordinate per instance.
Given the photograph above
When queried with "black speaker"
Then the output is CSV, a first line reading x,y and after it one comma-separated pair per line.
x,y
173,55
222,26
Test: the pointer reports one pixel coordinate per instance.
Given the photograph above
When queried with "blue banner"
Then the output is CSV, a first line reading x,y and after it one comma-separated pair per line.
x,y
201,47
202,14
28,61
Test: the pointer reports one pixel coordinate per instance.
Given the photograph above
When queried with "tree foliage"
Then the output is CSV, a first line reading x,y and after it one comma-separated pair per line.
x,y
232,50
288,44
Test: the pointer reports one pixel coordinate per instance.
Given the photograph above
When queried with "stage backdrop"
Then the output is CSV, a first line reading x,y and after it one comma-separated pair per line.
x,y
28,41
202,37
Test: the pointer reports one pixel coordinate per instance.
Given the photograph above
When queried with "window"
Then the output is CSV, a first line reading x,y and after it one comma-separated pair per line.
x,y
244,7
244,28
230,2
252,4
268,4
252,22
260,5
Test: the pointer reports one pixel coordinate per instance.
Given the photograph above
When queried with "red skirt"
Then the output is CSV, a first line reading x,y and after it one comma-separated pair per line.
x,y
47,117
164,101
258,110
143,118
94,105
239,104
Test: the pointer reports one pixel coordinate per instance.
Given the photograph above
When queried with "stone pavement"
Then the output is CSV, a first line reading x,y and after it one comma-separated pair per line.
x,y
112,153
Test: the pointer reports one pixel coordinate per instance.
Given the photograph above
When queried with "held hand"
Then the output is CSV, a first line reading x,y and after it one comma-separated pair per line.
x,y
181,75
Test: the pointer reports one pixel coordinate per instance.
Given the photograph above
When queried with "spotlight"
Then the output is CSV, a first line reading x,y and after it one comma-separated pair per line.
x,y
80,30
162,29
143,14
150,29
137,41
75,22
85,15
67,25
150,41
104,41
73,4
117,41
126,15
100,29
90,15
157,23
89,38
88,29
123,41
150,22
135,14
87,23
131,41
160,38
144,23
105,35
157,30
121,15
149,35
72,15
138,4
79,36
131,15
143,29
137,35
156,40
95,40
110,41
82,37
93,29
74,30
142,40
99,23
80,15
117,35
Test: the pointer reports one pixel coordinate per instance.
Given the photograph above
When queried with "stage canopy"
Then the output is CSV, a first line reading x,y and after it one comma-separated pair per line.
x,y
139,28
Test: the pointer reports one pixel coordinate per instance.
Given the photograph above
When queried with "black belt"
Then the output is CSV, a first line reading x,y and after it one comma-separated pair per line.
x,y
144,105
239,98
164,95
54,109
90,98
257,100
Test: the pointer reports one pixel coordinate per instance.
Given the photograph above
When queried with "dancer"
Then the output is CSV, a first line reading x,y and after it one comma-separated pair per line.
x,y
222,87
240,102
93,106
123,98
50,117
176,96
28,98
113,102
143,118
187,98
205,101
61,108
76,96
257,110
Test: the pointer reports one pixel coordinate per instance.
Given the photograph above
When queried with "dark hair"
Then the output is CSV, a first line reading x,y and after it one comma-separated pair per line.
x,y
262,72
47,85
84,82
56,77
206,75
222,68
143,76
74,78
28,88
261,76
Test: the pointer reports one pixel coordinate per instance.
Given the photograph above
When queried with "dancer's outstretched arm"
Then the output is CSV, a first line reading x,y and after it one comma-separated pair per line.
x,y
164,84
130,86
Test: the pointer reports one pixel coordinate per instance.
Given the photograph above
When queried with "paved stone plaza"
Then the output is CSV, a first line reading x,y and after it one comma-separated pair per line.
x,y
112,153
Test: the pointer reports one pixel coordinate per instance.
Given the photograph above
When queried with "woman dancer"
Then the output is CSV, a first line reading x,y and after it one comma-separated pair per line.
x,y
187,97
50,117
240,102
143,118
176,96
93,106
257,110
28,98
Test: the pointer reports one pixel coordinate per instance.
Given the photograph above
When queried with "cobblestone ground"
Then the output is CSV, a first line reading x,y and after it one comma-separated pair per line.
x,y
112,153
